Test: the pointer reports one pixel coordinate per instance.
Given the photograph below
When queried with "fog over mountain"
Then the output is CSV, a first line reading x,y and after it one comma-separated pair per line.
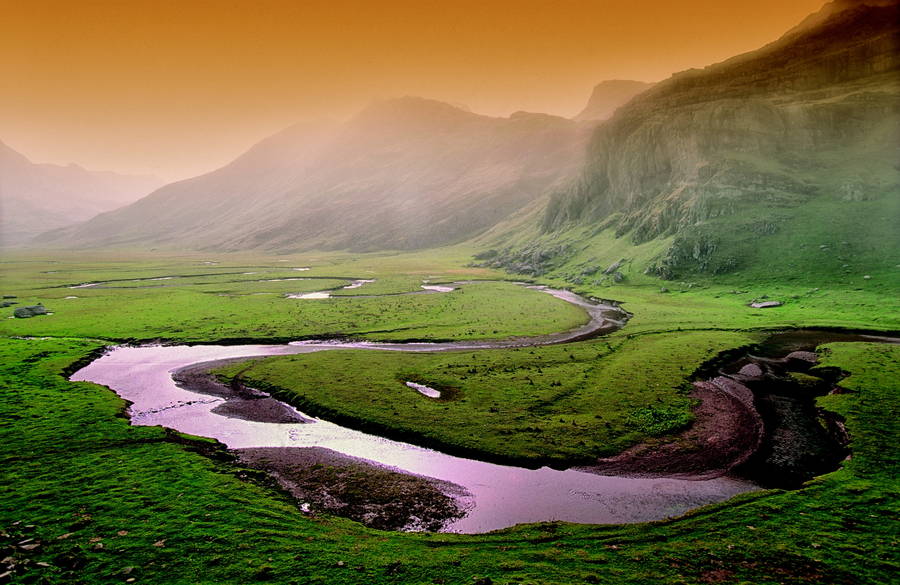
x,y
711,161
403,173
724,157
37,197
608,96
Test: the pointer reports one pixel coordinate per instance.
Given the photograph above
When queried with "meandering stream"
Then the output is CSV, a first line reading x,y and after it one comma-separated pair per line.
x,y
498,496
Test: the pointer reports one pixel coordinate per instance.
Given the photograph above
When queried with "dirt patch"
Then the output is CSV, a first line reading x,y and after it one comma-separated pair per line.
x,y
378,496
726,431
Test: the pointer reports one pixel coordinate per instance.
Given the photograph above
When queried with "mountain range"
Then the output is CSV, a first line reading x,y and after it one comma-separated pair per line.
x,y
402,174
793,146
36,197
708,165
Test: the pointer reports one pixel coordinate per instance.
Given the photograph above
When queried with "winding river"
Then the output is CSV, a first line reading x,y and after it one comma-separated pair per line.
x,y
495,496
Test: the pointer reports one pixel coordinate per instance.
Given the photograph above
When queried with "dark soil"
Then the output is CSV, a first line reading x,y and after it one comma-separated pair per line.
x,y
240,401
377,496
726,431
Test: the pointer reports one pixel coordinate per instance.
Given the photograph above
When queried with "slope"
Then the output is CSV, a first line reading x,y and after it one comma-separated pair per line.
x,y
777,162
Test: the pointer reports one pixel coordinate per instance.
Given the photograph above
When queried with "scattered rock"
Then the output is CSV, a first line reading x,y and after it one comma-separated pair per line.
x,y
766,304
663,289
751,371
618,277
614,267
867,277
32,311
806,356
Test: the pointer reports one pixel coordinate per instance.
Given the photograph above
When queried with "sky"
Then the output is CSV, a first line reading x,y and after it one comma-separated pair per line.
x,y
178,88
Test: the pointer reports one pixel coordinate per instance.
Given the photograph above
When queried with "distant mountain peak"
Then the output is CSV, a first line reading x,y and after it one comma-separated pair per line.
x,y
608,96
412,106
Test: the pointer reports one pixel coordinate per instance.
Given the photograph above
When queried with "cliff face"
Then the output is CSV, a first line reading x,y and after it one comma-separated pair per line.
x,y
814,114
608,96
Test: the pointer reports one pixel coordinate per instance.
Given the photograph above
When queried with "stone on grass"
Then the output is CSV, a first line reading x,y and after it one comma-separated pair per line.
x,y
766,304
614,266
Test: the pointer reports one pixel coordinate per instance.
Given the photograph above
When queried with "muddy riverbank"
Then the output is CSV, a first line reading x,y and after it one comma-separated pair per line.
x,y
756,417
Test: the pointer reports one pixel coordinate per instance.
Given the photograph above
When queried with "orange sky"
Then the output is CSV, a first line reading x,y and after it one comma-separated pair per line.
x,y
178,87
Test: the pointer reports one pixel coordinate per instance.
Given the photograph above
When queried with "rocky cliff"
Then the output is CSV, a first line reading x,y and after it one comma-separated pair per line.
x,y
813,115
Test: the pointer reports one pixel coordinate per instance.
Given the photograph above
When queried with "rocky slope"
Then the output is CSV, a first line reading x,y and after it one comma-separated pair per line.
x,y
405,173
37,197
738,149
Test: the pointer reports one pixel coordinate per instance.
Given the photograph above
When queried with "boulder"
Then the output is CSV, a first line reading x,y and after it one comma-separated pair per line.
x,y
751,371
766,304
614,266
32,311
806,356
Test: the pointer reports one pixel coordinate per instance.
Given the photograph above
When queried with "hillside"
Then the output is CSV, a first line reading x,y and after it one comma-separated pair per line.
x,y
768,163
37,197
404,173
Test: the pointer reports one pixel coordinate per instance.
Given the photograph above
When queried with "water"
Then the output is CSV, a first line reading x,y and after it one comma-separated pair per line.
x,y
499,495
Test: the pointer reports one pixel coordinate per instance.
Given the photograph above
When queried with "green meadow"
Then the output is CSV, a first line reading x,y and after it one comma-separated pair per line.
x,y
106,502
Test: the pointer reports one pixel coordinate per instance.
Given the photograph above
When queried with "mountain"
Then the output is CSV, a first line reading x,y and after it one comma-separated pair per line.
x,y
37,197
609,96
403,173
791,147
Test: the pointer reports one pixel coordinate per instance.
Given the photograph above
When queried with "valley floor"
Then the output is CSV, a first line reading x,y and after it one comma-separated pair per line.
x,y
91,499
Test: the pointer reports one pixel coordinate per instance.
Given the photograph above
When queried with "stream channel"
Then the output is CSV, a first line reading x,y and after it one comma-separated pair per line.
x,y
491,496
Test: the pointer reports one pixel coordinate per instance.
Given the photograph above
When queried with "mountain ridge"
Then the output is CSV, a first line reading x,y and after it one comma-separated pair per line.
x,y
711,164
40,196
401,174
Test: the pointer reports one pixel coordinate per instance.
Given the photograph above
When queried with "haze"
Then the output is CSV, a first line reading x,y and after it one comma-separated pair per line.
x,y
177,89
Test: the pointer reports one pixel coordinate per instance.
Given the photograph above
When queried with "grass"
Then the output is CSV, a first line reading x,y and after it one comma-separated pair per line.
x,y
164,513
171,509
185,310
543,405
